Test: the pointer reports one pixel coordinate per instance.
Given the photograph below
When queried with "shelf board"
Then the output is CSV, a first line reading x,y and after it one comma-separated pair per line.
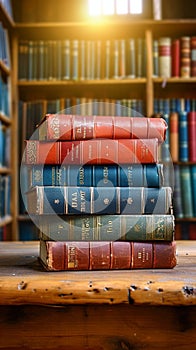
x,y
193,219
52,83
107,27
5,119
174,80
5,170
4,68
5,17
5,220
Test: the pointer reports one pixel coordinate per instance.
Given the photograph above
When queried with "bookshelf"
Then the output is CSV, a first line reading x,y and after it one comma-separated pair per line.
x,y
8,169
147,88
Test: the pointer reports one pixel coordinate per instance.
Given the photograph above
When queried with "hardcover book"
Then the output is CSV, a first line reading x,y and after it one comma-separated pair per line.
x,y
99,200
61,256
77,127
127,175
106,227
97,151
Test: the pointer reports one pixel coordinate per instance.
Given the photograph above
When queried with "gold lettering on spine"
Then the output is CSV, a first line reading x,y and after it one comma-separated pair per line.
x,y
82,201
54,126
105,174
72,257
32,149
81,176
85,229
143,255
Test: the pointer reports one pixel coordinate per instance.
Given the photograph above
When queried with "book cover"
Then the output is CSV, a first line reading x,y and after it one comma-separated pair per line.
x,y
177,195
77,127
127,175
99,151
61,256
106,227
98,200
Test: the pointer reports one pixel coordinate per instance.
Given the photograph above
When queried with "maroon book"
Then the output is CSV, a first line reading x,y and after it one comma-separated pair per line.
x,y
76,127
193,56
103,255
97,151
185,57
192,135
175,49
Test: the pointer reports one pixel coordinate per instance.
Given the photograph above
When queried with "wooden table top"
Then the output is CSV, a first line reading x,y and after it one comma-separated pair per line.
x,y
24,281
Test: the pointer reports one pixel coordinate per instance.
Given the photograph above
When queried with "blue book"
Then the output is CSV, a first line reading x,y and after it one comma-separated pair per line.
x,y
177,196
186,191
183,137
128,175
193,185
98,200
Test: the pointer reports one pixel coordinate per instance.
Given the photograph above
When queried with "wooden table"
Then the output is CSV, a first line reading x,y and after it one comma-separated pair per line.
x,y
111,310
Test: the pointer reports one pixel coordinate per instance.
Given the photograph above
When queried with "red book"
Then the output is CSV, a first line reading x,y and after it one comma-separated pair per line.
x,y
192,136
59,256
98,151
74,127
175,52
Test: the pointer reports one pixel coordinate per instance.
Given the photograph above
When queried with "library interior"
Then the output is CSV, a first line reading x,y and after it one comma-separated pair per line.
x,y
97,174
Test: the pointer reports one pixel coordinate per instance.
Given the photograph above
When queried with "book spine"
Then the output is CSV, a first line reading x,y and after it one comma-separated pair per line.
x,y
127,175
193,186
183,137
105,151
99,200
174,136
116,59
192,135
59,256
186,191
177,195
155,58
107,227
164,57
193,56
131,61
175,52
185,57
76,127
74,57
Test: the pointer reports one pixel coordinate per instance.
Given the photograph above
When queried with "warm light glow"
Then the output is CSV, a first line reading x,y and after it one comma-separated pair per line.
x,y
121,7
94,7
108,7
135,6
111,7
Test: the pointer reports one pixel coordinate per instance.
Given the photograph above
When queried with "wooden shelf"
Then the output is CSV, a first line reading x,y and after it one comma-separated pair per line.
x,y
5,170
5,18
5,220
30,284
4,68
5,119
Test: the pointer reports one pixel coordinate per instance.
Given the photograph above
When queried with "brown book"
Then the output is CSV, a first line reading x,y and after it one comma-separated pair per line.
x,y
59,256
185,57
174,136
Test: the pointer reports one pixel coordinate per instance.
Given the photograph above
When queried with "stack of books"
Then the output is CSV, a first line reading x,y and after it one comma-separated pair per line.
x,y
97,193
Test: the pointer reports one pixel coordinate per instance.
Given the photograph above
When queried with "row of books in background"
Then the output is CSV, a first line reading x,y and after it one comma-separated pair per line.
x,y
109,59
4,46
174,57
108,207
82,59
